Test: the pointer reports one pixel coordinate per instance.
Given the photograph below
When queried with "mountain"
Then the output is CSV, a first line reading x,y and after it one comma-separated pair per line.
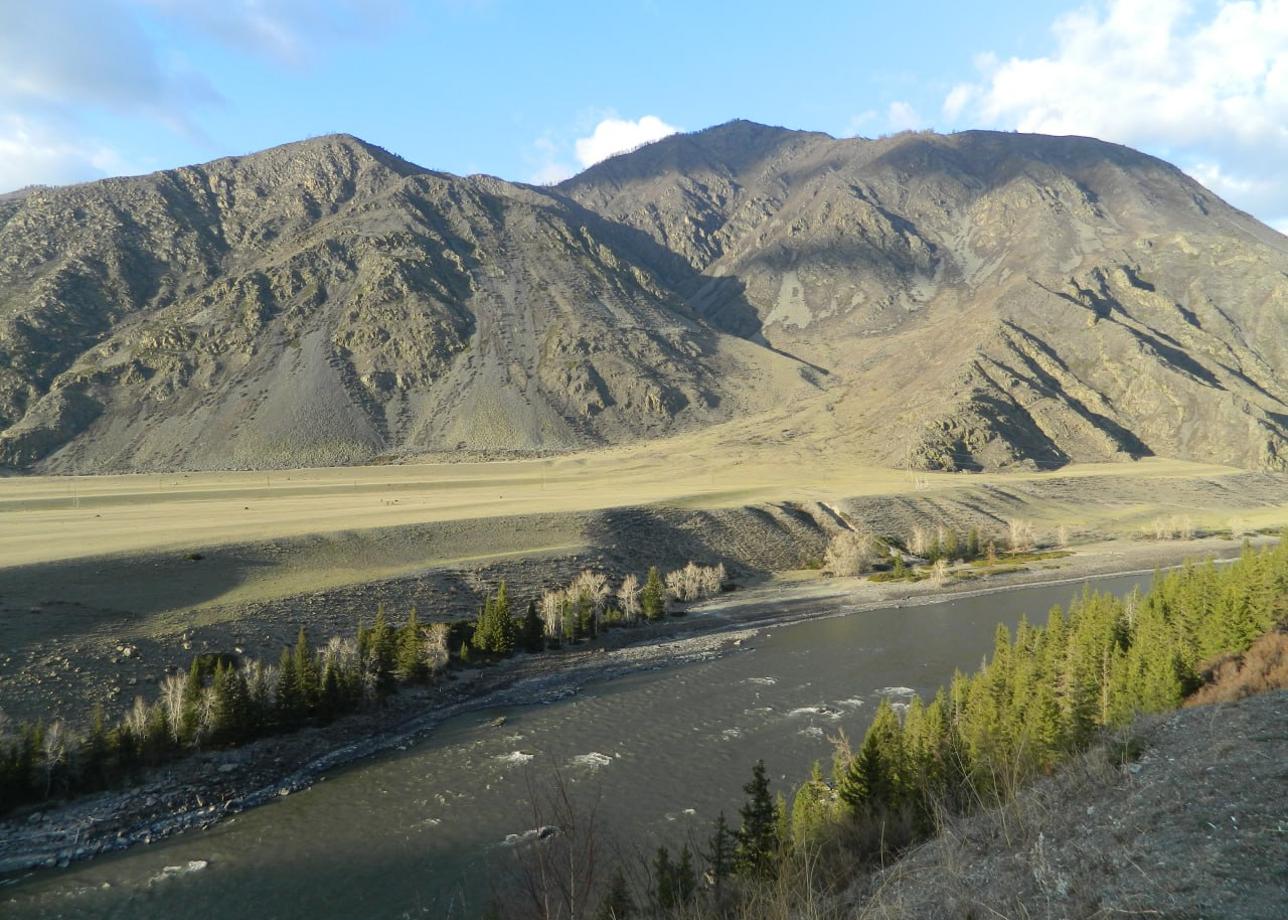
x,y
981,298
961,301
326,303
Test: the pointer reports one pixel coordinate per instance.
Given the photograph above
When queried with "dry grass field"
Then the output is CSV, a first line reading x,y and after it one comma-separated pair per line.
x,y
185,561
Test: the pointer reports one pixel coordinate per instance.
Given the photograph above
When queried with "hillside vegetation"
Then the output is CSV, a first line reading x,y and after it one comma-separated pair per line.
x,y
1045,697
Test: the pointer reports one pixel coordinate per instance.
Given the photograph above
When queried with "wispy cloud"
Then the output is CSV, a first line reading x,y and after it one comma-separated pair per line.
x,y
62,62
1203,87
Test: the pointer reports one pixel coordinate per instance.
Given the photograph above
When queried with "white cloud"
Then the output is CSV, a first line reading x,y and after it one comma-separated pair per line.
x,y
547,161
1201,86
1281,225
65,62
903,117
31,153
57,54
616,135
857,123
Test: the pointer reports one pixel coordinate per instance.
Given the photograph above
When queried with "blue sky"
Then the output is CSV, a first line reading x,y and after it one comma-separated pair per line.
x,y
534,91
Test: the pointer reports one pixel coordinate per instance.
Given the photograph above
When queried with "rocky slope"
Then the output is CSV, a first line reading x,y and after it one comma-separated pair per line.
x,y
326,303
983,297
978,299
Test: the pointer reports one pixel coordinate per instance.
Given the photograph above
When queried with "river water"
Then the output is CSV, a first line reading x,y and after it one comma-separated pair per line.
x,y
422,832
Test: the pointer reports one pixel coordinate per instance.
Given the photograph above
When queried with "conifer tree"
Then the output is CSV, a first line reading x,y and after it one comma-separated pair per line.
x,y
410,657
664,880
289,705
811,809
686,881
872,785
617,903
304,665
757,843
383,655
720,858
533,633
653,597
190,713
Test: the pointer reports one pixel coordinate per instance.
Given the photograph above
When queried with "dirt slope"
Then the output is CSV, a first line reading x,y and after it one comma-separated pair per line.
x,y
1193,828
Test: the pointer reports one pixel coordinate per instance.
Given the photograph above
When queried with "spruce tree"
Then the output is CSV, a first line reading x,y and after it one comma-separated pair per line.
x,y
720,858
410,658
383,644
289,705
811,809
190,712
664,879
307,679
617,903
686,881
653,597
533,634
756,849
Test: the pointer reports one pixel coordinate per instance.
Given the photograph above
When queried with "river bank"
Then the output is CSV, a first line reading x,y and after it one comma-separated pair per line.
x,y
201,790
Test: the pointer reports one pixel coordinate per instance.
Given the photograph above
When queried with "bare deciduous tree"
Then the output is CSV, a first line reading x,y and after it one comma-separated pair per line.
x,y
172,702
919,541
850,552
1021,534
436,650
55,745
628,598
551,608
594,587
694,582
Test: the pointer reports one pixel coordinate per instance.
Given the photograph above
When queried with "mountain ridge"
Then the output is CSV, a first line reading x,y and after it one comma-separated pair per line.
x,y
957,301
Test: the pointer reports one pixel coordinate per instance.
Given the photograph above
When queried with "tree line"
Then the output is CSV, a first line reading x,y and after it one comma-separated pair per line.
x,y
223,701
1045,693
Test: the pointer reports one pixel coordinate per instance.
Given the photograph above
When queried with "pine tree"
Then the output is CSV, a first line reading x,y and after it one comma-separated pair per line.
x,y
231,705
664,879
617,903
383,655
686,882
653,597
811,809
95,751
720,857
410,657
494,628
873,784
190,714
331,702
533,634
757,844
308,682
289,705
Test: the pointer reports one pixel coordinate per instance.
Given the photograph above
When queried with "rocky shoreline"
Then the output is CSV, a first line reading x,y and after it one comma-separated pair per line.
x,y
199,791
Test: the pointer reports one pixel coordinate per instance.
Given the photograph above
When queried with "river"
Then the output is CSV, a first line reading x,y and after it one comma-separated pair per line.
x,y
422,832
